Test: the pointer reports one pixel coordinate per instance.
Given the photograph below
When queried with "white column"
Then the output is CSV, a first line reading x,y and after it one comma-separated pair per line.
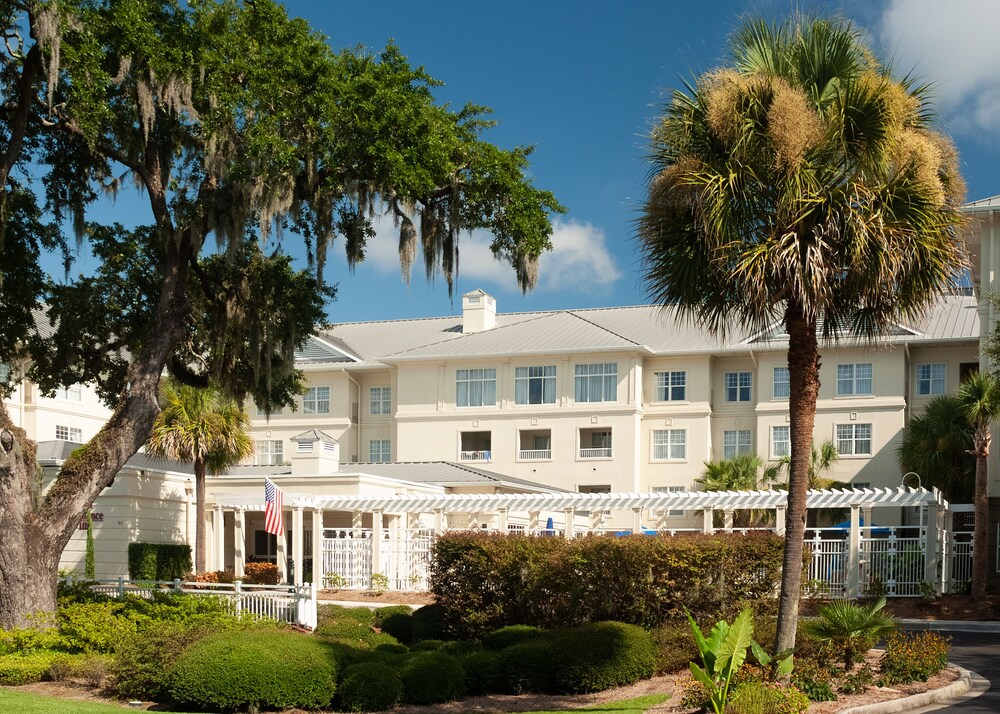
x,y
570,521
438,521
728,520
533,521
219,526
596,520
707,521
239,542
377,538
502,520
473,522
661,519
854,554
779,520
930,539
281,555
637,521
357,520
317,547
298,544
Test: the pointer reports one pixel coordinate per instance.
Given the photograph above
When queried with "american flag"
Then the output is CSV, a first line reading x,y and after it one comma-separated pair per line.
x,y
274,516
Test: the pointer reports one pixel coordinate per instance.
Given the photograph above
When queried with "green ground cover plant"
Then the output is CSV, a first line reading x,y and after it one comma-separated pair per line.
x,y
913,657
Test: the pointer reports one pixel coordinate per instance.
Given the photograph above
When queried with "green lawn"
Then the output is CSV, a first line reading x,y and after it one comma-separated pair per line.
x,y
24,703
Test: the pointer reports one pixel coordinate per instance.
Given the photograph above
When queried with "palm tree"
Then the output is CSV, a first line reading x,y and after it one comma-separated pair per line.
x,y
821,458
743,472
979,400
936,446
800,180
207,428
851,627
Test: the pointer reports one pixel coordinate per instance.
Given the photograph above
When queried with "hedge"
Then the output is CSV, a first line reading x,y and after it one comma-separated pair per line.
x,y
18,669
602,655
159,561
485,581
370,687
262,668
431,678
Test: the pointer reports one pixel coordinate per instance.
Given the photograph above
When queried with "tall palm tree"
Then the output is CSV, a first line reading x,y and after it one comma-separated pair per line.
x,y
800,180
979,400
207,428
936,446
743,472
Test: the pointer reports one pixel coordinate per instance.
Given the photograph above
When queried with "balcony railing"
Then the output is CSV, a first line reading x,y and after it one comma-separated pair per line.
x,y
534,454
475,455
602,453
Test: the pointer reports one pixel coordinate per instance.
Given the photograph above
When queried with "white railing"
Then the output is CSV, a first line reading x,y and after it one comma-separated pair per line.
x,y
288,603
897,563
347,558
474,455
959,561
602,453
406,560
534,454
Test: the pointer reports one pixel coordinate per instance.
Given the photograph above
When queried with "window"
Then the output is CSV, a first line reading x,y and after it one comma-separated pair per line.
x,y
73,393
596,382
670,444
536,444
535,385
780,384
476,446
931,379
854,379
476,387
4,372
270,453
673,512
854,439
593,489
781,441
316,401
735,442
671,386
380,399
69,433
739,386
965,369
265,546
595,443
379,451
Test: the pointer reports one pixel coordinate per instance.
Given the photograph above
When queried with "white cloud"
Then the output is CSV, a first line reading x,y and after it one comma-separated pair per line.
x,y
953,44
578,262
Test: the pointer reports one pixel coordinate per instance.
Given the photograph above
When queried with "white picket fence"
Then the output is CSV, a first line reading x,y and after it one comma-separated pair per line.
x,y
295,604
405,558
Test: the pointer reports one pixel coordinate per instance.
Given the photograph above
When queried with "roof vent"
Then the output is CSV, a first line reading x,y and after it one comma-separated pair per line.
x,y
479,312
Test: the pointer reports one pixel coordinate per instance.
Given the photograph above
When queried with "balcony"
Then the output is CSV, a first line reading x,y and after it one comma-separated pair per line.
x,y
534,454
475,456
596,453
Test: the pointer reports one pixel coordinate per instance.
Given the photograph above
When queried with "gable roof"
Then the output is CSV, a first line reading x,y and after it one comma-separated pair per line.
x,y
648,329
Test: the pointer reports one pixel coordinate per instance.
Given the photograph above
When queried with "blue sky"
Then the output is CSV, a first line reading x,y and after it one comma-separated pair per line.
x,y
583,81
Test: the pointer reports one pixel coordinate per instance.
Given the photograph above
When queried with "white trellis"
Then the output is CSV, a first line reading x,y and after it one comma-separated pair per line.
x,y
849,560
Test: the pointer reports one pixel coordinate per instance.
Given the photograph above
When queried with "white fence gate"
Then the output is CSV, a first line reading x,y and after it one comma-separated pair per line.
x,y
405,557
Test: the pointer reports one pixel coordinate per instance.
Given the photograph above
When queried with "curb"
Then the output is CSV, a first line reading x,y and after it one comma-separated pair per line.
x,y
937,696
951,625
370,606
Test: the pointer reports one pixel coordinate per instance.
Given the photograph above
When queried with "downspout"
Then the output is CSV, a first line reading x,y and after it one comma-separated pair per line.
x,y
906,384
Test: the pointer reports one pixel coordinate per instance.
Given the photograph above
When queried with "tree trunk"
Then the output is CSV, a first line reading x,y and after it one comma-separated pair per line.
x,y
37,527
200,546
803,372
980,535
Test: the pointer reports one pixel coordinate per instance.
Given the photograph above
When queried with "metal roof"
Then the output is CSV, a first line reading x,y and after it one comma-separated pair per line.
x,y
59,450
643,328
991,202
444,473
686,500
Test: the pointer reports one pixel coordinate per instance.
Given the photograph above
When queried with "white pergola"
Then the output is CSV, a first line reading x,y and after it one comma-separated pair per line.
x,y
593,505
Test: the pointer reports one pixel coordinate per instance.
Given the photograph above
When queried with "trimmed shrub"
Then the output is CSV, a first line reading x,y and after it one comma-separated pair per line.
x,y
427,645
159,561
460,647
756,697
482,672
93,626
370,687
143,660
485,581
396,620
432,678
354,633
601,655
254,668
18,669
913,657
261,574
675,647
528,667
511,635
339,613
427,623
813,679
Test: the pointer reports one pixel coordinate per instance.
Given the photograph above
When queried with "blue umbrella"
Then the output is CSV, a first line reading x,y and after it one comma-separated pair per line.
x,y
550,527
876,530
